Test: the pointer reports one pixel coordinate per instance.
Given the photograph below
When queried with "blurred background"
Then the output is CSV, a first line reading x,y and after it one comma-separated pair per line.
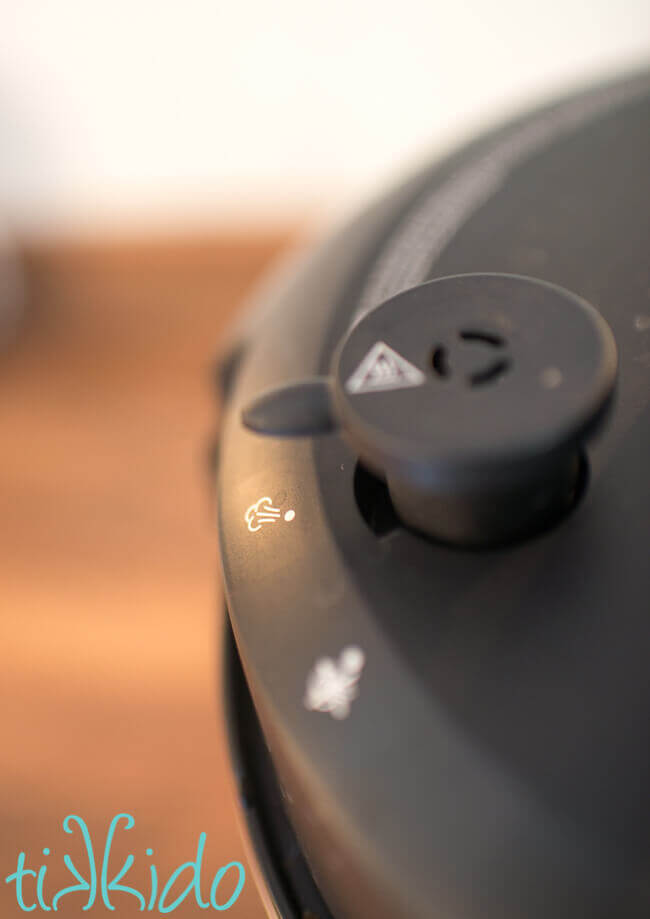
x,y
140,113
155,159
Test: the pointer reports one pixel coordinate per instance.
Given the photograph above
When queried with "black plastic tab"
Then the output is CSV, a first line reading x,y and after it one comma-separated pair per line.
x,y
295,410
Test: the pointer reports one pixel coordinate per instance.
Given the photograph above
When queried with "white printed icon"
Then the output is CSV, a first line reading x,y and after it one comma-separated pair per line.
x,y
333,685
263,511
381,369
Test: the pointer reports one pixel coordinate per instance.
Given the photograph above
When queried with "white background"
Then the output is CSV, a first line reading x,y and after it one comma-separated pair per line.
x,y
151,113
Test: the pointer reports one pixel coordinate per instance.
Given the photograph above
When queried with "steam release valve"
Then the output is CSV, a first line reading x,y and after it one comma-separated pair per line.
x,y
472,397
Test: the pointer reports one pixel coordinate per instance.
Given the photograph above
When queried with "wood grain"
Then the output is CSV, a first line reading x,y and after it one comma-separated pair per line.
x,y
109,595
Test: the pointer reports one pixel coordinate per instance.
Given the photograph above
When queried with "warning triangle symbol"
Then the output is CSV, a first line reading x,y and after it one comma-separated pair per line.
x,y
383,369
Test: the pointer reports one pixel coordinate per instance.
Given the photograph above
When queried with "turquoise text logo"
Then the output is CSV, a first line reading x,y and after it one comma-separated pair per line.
x,y
99,884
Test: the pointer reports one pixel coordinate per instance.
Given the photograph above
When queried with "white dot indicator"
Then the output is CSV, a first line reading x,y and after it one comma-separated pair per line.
x,y
289,516
551,378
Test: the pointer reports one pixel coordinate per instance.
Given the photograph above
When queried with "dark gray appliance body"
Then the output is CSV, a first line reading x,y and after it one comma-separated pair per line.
x,y
495,763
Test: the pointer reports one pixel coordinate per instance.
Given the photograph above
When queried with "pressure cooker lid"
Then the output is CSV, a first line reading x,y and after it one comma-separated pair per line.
x,y
483,333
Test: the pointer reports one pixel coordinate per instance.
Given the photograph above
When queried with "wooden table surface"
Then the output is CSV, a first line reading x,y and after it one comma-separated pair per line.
x,y
109,593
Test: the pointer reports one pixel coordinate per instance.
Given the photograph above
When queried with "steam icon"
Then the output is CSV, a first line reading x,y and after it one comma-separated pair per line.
x,y
263,511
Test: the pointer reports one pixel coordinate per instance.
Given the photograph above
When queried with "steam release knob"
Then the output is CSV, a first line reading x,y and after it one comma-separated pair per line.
x,y
472,397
